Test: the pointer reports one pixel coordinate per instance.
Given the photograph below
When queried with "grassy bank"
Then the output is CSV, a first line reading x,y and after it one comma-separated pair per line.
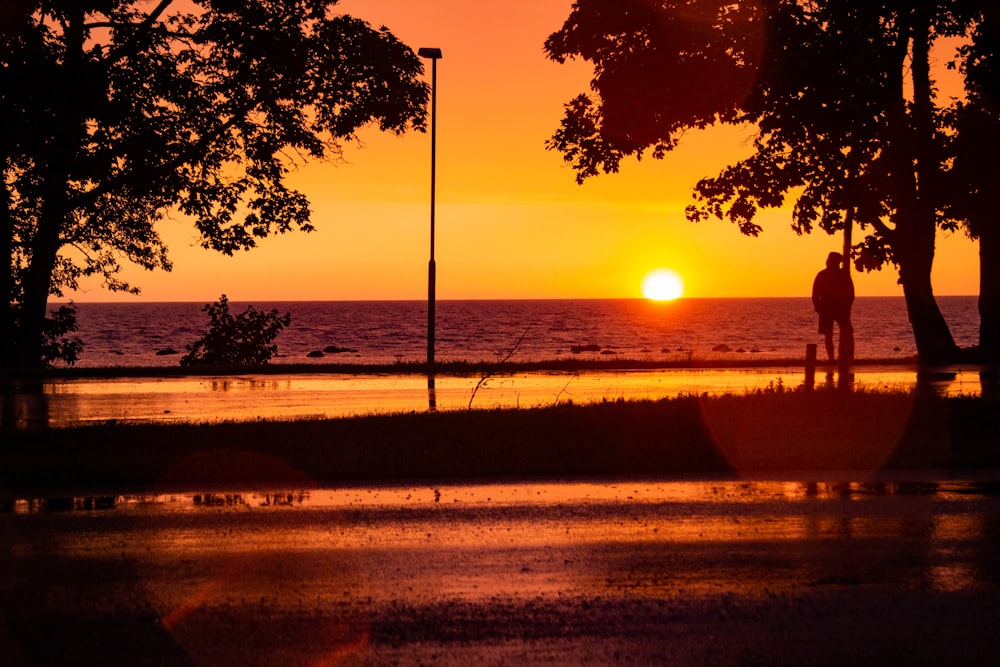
x,y
762,432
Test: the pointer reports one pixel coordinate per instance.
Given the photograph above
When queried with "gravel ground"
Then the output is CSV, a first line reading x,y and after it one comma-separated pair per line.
x,y
631,572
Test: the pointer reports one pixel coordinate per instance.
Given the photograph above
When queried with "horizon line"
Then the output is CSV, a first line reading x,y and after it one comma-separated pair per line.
x,y
64,301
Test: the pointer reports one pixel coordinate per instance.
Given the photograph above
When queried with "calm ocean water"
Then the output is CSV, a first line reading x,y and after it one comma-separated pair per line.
x,y
131,334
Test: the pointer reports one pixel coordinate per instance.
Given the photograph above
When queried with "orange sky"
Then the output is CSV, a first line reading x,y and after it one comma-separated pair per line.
x,y
511,222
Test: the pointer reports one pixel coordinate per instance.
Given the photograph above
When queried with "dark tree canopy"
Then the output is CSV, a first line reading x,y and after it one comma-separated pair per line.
x,y
659,69
841,93
975,176
115,114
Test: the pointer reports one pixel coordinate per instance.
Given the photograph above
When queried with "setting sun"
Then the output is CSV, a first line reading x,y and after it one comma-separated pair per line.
x,y
662,285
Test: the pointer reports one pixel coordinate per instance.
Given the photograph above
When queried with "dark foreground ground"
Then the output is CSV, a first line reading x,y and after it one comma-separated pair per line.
x,y
740,574
762,432
876,540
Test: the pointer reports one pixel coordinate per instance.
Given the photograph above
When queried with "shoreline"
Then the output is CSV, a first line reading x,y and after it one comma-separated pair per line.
x,y
459,368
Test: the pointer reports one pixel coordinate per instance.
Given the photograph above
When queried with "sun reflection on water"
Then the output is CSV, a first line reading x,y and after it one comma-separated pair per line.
x,y
63,403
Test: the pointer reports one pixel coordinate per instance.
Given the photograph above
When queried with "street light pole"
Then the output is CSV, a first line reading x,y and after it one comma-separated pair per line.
x,y
434,55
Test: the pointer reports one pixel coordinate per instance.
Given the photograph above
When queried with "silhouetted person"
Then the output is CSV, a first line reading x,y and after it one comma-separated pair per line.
x,y
832,297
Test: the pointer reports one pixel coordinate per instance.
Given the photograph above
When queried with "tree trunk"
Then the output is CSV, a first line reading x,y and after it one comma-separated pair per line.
x,y
914,252
989,292
8,351
983,222
37,283
68,131
917,179
935,344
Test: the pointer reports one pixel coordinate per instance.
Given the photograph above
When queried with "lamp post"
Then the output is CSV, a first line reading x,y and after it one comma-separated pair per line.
x,y
434,55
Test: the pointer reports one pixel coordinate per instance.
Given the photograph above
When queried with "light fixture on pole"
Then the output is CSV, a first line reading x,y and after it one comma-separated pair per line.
x,y
434,55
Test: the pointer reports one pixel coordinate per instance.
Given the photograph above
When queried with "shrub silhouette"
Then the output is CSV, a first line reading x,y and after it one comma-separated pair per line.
x,y
243,340
56,345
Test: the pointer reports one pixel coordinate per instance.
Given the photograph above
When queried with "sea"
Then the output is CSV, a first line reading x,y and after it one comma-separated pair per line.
x,y
385,332
747,332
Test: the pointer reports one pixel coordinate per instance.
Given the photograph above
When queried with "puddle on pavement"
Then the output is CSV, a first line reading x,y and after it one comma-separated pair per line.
x,y
525,495
370,547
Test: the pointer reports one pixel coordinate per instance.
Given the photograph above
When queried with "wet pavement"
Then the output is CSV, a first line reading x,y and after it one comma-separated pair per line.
x,y
686,572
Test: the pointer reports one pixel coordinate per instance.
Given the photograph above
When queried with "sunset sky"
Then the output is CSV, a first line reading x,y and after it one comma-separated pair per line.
x,y
511,221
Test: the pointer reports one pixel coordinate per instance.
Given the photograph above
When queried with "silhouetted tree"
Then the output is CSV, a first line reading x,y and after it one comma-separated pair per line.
x,y
975,177
840,92
116,114
241,340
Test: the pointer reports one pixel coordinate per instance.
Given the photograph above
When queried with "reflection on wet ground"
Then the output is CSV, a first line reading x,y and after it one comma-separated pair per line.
x,y
534,494
69,402
536,573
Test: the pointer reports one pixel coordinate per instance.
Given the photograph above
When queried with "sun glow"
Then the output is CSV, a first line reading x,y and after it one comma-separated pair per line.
x,y
662,285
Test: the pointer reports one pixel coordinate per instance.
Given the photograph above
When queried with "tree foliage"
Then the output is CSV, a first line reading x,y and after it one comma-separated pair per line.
x,y
241,340
117,115
975,176
841,95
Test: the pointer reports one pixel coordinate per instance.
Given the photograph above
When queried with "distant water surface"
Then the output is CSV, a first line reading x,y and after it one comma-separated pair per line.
x,y
377,332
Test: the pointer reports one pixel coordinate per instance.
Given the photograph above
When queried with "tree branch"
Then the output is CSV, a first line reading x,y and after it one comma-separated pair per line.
x,y
127,47
881,228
